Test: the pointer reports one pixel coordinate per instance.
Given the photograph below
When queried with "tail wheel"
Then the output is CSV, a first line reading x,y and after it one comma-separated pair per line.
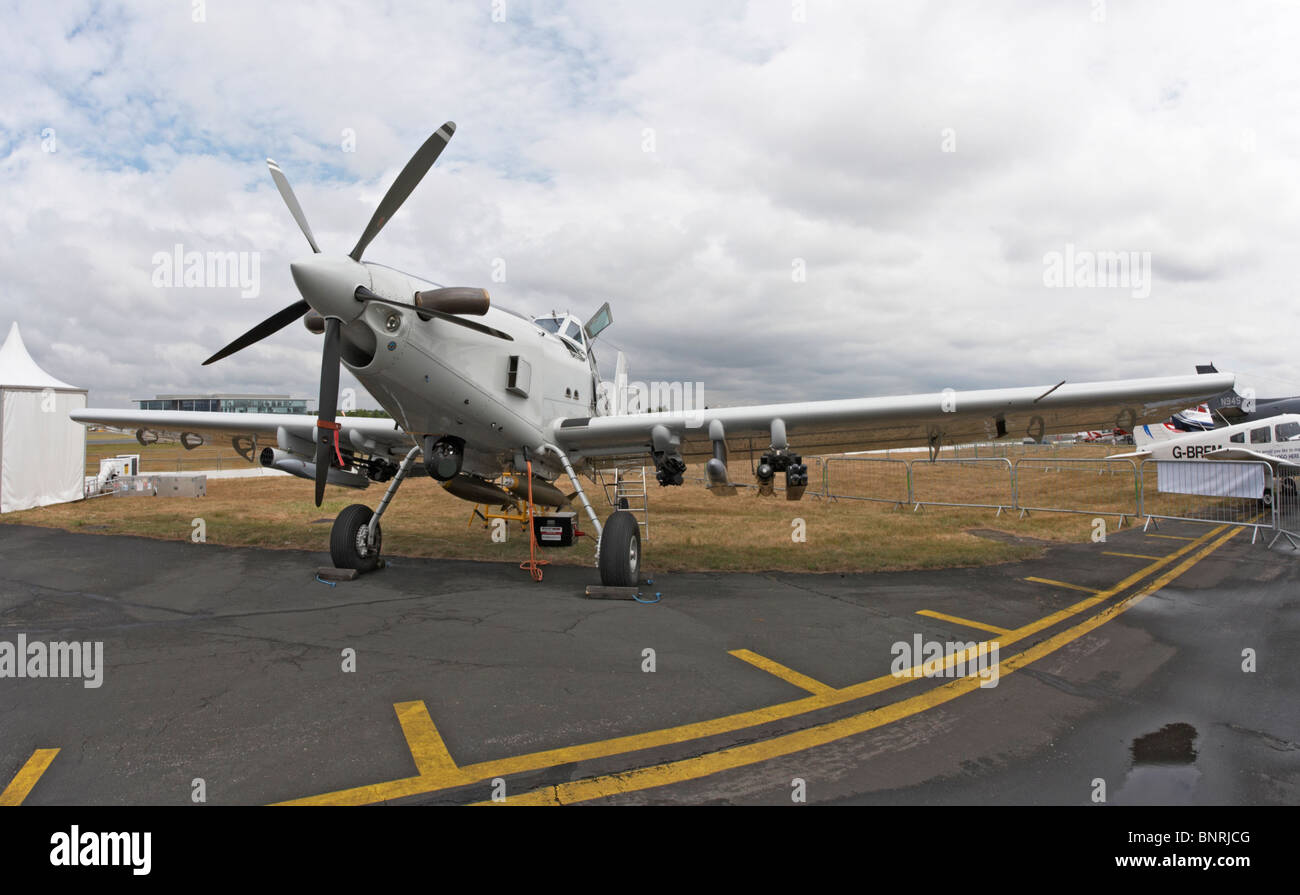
x,y
620,551
350,547
1267,500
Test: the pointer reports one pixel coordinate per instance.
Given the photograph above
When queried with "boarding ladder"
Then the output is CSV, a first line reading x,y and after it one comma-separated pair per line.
x,y
628,483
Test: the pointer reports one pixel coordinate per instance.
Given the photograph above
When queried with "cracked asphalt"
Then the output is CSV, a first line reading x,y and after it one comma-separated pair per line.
x,y
227,665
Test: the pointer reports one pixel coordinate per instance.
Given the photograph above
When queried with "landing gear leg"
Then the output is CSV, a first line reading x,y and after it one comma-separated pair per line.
x,y
356,538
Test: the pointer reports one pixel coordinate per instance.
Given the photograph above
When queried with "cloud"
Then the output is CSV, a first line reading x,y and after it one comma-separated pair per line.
x,y
775,143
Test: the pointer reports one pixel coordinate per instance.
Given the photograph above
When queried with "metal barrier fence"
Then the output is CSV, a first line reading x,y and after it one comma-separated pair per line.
x,y
1245,493
1070,485
1241,492
869,478
964,483
1288,509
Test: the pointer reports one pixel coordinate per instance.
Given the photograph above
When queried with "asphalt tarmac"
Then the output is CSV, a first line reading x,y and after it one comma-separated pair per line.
x,y
1154,668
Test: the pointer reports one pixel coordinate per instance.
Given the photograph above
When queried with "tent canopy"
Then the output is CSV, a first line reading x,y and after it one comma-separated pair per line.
x,y
18,370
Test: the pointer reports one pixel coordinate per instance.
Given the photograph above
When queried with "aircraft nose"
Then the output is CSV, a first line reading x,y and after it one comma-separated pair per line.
x,y
329,284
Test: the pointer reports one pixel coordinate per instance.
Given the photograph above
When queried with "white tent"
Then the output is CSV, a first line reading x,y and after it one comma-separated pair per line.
x,y
42,451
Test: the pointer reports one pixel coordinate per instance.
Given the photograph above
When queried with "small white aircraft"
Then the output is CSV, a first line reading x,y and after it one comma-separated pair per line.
x,y
486,395
1274,441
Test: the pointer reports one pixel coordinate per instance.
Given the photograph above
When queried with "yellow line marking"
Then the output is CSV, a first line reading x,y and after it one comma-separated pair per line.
x,y
27,775
422,737
395,789
1055,583
802,681
1170,537
787,744
1130,555
963,621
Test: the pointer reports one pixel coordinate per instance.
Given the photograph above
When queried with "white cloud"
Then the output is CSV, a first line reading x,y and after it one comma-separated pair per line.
x,y
1163,129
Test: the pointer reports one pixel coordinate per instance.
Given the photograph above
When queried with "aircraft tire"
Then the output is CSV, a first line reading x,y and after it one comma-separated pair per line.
x,y
347,540
620,551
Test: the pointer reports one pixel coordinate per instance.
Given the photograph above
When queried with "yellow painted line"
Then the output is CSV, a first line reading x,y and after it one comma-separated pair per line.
x,y
802,681
799,741
27,775
1055,583
994,629
422,737
1169,537
419,785
1130,555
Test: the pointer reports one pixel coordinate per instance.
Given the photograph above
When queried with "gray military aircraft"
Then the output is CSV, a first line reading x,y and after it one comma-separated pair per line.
x,y
484,395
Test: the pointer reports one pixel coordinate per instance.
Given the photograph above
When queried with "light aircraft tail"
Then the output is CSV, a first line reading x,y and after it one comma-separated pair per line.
x,y
1145,435
1224,407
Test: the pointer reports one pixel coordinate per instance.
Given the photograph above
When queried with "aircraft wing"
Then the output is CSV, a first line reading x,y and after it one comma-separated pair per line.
x,y
364,434
859,424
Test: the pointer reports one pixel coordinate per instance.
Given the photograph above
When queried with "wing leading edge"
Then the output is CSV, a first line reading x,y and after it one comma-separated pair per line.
x,y
374,436
861,424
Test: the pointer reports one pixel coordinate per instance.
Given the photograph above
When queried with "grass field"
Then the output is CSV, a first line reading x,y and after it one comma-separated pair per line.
x,y
690,528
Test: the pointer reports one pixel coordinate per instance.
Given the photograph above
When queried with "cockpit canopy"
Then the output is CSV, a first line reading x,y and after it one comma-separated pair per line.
x,y
565,325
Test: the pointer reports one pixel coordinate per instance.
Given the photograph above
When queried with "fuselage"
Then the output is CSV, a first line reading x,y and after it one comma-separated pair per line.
x,y
1277,436
437,378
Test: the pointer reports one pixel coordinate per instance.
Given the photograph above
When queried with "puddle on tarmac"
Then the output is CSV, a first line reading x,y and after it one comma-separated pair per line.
x,y
1164,768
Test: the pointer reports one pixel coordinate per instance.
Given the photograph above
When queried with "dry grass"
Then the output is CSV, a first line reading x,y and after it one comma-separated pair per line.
x,y
690,528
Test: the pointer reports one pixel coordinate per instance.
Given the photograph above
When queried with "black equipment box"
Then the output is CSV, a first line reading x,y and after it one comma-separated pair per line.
x,y
555,530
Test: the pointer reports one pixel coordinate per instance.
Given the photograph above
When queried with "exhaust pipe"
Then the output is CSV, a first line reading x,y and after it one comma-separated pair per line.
x,y
303,469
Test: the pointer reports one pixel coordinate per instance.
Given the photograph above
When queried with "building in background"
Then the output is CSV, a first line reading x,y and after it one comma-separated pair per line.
x,y
226,403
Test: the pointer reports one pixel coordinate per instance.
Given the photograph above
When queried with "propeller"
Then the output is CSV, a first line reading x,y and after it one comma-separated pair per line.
x,y
324,285
327,428
411,175
273,324
286,193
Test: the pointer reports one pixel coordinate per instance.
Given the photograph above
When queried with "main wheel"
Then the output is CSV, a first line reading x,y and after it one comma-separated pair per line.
x,y
1267,500
620,550
349,548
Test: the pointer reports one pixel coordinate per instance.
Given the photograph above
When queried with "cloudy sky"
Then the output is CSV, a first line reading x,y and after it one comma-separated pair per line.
x,y
779,198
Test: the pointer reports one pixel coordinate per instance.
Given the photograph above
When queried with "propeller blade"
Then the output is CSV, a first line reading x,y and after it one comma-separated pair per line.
x,y
286,193
411,175
326,427
272,324
364,294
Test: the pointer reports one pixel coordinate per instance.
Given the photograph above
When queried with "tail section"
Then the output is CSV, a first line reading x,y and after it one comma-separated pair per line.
x,y
1156,432
1225,407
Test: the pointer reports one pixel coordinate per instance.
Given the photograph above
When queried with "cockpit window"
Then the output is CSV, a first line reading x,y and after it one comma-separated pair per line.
x,y
550,324
573,331
1288,431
